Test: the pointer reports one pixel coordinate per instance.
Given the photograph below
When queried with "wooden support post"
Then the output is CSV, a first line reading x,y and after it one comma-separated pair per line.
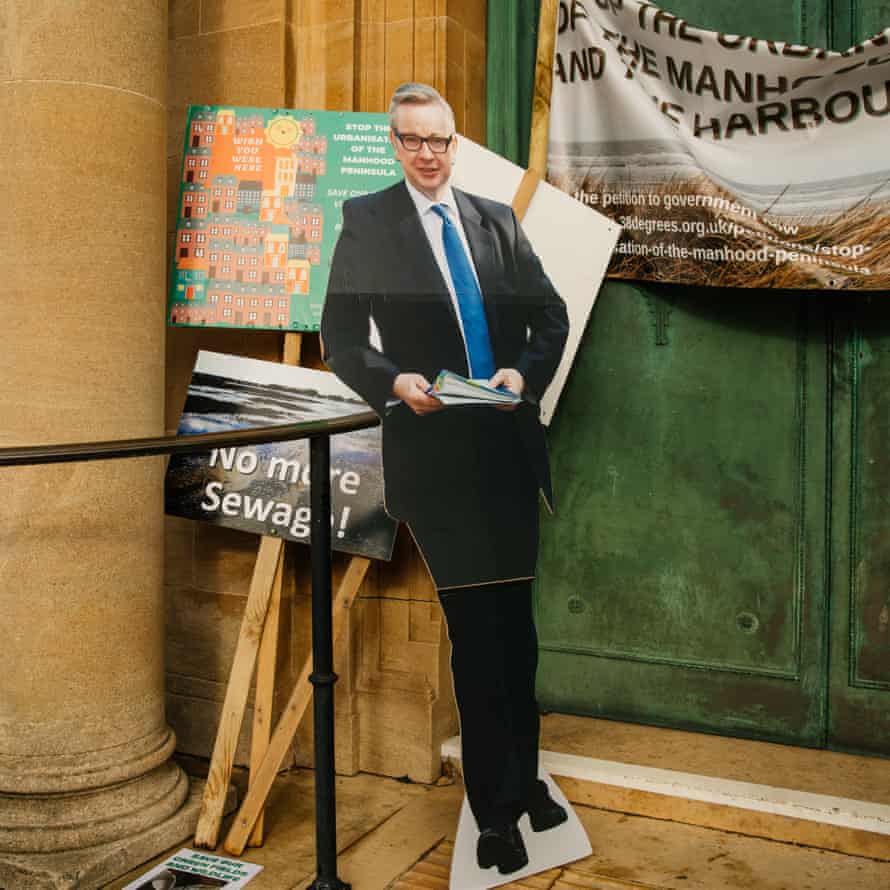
x,y
525,193
223,757
293,344
261,731
540,129
261,619
262,779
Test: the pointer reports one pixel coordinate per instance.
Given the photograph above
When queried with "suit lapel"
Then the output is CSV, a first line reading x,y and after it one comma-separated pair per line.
x,y
427,283
482,248
415,246
426,277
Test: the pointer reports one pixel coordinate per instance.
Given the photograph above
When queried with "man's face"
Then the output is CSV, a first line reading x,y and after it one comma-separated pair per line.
x,y
427,171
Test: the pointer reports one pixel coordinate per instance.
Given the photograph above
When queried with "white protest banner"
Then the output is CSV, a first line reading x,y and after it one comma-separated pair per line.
x,y
729,160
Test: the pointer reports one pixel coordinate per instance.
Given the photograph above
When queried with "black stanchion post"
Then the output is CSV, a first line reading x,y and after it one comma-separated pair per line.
x,y
323,676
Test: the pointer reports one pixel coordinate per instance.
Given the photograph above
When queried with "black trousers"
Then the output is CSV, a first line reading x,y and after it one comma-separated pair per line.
x,y
493,660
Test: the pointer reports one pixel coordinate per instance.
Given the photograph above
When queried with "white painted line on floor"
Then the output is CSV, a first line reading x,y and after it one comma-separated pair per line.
x,y
840,811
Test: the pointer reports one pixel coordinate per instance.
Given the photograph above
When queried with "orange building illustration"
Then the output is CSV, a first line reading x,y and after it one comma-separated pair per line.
x,y
260,194
247,228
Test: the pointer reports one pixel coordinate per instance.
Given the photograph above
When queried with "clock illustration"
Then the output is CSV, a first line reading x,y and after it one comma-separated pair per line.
x,y
283,132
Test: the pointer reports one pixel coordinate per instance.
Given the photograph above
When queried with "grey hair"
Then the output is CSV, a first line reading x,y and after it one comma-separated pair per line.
x,y
417,94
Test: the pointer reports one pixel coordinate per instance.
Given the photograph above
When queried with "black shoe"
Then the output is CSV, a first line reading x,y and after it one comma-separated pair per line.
x,y
502,846
543,811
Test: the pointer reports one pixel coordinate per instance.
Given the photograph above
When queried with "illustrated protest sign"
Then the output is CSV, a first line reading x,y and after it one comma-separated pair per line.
x,y
265,488
728,160
260,204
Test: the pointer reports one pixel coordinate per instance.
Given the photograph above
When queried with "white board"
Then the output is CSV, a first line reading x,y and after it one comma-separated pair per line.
x,y
546,849
573,242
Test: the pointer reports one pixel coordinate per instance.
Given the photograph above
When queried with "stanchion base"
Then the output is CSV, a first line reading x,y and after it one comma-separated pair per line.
x,y
329,884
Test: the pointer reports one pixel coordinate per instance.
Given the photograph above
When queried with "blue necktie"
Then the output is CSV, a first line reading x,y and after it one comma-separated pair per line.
x,y
469,299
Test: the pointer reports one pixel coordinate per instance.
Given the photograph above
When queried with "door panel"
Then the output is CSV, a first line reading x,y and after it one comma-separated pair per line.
x,y
872,16
681,581
860,675
715,484
802,21
857,21
677,580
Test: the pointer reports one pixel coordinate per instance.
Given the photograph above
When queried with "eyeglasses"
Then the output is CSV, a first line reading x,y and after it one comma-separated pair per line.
x,y
438,144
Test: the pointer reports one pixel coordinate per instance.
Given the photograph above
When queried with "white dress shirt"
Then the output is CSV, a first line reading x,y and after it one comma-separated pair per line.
x,y
432,226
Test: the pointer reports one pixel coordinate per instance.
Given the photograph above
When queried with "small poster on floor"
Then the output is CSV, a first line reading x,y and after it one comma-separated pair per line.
x,y
198,871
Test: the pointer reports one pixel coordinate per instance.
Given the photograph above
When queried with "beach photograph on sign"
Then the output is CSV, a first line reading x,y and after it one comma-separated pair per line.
x,y
260,200
730,161
265,488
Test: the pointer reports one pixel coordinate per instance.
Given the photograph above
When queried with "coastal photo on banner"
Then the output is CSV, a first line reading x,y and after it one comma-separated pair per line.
x,y
265,488
729,160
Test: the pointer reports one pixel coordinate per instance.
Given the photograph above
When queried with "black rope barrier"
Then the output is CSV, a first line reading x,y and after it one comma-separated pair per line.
x,y
164,445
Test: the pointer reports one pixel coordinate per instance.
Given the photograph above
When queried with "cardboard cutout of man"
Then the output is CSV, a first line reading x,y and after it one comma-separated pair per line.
x,y
451,282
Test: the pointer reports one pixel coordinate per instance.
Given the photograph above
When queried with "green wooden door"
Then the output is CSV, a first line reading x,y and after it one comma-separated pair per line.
x,y
859,702
859,691
681,579
719,559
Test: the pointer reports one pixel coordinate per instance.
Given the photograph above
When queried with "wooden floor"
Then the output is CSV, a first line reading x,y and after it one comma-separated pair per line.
x,y
431,873
399,836
635,853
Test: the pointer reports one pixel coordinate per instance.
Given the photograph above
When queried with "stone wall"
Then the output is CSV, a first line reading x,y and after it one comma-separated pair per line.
x,y
394,697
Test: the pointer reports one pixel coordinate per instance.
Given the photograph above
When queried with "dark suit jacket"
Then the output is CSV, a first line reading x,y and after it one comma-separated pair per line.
x,y
383,268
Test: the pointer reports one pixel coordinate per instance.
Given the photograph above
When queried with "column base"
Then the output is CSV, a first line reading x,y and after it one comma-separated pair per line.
x,y
53,823
93,867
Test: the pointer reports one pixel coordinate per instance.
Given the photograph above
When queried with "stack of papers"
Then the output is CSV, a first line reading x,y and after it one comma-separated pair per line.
x,y
452,389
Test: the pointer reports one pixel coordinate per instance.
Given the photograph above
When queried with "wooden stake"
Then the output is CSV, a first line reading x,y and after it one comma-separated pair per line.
x,y
525,193
265,680
261,730
540,129
293,344
261,781
212,806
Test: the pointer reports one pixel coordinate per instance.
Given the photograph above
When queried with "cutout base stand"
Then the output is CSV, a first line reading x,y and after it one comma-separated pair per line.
x,y
546,849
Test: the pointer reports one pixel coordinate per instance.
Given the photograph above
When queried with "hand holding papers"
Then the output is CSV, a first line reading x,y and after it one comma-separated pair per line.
x,y
414,391
452,389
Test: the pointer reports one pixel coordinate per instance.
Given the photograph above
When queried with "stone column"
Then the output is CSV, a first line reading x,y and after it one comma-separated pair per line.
x,y
84,747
